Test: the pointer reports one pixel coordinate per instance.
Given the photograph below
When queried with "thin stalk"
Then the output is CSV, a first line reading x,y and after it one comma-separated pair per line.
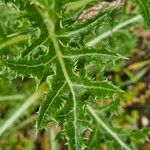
x,y
52,138
14,40
136,77
12,97
25,123
39,93
104,126
113,30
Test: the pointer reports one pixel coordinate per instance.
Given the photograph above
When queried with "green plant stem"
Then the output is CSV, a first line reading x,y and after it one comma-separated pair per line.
x,y
103,125
14,40
12,97
39,93
25,123
136,77
52,138
115,29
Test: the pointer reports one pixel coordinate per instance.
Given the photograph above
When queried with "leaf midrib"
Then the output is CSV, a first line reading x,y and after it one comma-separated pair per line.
x,y
50,27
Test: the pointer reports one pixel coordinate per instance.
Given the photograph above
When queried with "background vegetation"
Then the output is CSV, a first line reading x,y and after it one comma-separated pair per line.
x,y
118,40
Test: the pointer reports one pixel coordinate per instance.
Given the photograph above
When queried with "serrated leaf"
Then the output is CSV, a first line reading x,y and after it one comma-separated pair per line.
x,y
65,57
93,54
39,68
59,107
66,98
100,90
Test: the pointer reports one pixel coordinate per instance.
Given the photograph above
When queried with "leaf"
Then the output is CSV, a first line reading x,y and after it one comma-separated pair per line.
x,y
38,68
91,25
65,100
58,106
59,55
101,90
93,54
144,7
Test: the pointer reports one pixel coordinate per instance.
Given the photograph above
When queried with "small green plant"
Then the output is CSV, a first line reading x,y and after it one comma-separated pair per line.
x,y
60,45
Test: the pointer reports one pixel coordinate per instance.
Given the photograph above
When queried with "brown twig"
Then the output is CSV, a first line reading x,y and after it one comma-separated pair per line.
x,y
94,10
